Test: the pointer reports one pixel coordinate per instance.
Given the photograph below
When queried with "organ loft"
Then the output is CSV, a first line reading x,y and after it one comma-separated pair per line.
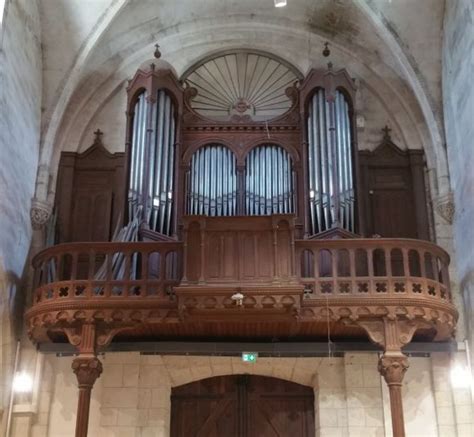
x,y
246,230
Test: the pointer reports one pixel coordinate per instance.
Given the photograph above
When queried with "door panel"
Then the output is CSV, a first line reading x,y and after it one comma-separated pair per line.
x,y
242,406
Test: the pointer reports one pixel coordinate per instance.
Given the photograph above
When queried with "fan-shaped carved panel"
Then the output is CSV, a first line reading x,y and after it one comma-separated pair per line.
x,y
241,84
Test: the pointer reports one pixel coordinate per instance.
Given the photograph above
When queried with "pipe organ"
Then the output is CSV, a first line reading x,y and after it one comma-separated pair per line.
x,y
238,160
330,163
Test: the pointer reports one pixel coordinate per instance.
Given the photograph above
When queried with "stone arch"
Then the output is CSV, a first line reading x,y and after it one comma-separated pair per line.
x,y
54,116
121,63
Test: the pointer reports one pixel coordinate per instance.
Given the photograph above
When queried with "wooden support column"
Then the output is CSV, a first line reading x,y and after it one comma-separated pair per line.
x,y
392,334
393,368
87,370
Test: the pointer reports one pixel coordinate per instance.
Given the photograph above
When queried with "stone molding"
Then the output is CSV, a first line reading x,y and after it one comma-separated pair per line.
x,y
40,213
445,207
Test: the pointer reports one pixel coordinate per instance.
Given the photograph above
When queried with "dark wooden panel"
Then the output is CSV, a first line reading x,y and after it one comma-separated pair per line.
x,y
89,197
393,192
247,250
242,406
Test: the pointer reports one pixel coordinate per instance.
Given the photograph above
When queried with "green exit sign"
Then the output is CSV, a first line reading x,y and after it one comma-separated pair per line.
x,y
249,357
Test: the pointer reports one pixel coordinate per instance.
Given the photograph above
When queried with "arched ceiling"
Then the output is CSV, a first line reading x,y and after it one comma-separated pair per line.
x,y
362,40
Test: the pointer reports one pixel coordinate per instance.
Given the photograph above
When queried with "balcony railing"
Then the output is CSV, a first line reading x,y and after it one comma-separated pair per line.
x,y
280,279
107,271
376,267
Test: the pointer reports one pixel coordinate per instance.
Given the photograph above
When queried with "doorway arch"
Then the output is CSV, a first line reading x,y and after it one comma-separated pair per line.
x,y
242,406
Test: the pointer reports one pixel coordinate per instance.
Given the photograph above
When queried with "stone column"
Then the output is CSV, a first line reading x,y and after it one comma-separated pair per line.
x,y
393,368
87,370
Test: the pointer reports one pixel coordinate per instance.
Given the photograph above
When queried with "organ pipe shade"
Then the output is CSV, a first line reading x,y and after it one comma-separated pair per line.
x,y
151,182
212,182
330,163
269,181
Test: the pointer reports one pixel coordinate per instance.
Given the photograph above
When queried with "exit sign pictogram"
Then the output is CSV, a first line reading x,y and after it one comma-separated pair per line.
x,y
249,357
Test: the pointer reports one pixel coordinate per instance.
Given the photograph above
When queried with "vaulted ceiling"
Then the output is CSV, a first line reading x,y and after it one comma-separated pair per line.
x,y
393,49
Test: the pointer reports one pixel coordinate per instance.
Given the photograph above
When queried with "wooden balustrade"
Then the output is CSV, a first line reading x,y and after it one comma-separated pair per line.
x,y
371,268
116,271
282,280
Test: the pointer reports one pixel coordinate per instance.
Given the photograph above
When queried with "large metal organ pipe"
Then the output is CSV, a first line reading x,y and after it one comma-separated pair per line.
x,y
212,182
137,152
152,171
330,164
269,181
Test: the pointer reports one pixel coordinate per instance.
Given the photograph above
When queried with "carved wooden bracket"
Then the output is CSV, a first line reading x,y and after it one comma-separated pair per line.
x,y
88,337
391,333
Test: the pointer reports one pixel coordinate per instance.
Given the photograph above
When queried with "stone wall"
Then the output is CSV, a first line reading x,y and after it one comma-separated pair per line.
x,y
132,397
20,116
458,92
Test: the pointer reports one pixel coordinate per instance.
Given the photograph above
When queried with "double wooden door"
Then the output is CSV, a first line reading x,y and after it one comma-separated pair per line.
x,y
242,406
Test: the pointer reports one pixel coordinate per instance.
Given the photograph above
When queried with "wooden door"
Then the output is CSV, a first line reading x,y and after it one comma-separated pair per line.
x,y
392,203
242,406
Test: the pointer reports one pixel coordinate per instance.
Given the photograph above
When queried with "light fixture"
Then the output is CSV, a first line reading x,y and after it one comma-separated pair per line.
x,y
22,383
238,298
280,3
461,377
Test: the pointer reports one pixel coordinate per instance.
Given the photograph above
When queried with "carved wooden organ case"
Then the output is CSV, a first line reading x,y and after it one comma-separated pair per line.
x,y
241,135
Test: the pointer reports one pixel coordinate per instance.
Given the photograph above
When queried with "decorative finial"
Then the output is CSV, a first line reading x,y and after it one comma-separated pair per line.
x,y
98,136
326,50
386,133
157,53
329,66
152,67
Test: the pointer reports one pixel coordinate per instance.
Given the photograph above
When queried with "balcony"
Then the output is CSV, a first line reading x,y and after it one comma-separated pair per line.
x,y
241,278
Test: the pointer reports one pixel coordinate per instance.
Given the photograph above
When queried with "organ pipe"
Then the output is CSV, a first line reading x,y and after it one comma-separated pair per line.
x,y
330,166
212,182
269,181
158,168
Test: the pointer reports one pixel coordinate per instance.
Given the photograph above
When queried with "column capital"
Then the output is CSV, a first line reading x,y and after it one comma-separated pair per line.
x,y
87,370
393,368
40,213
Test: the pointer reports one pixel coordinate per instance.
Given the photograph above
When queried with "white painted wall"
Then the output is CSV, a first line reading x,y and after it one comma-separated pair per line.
x,y
458,94
20,116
